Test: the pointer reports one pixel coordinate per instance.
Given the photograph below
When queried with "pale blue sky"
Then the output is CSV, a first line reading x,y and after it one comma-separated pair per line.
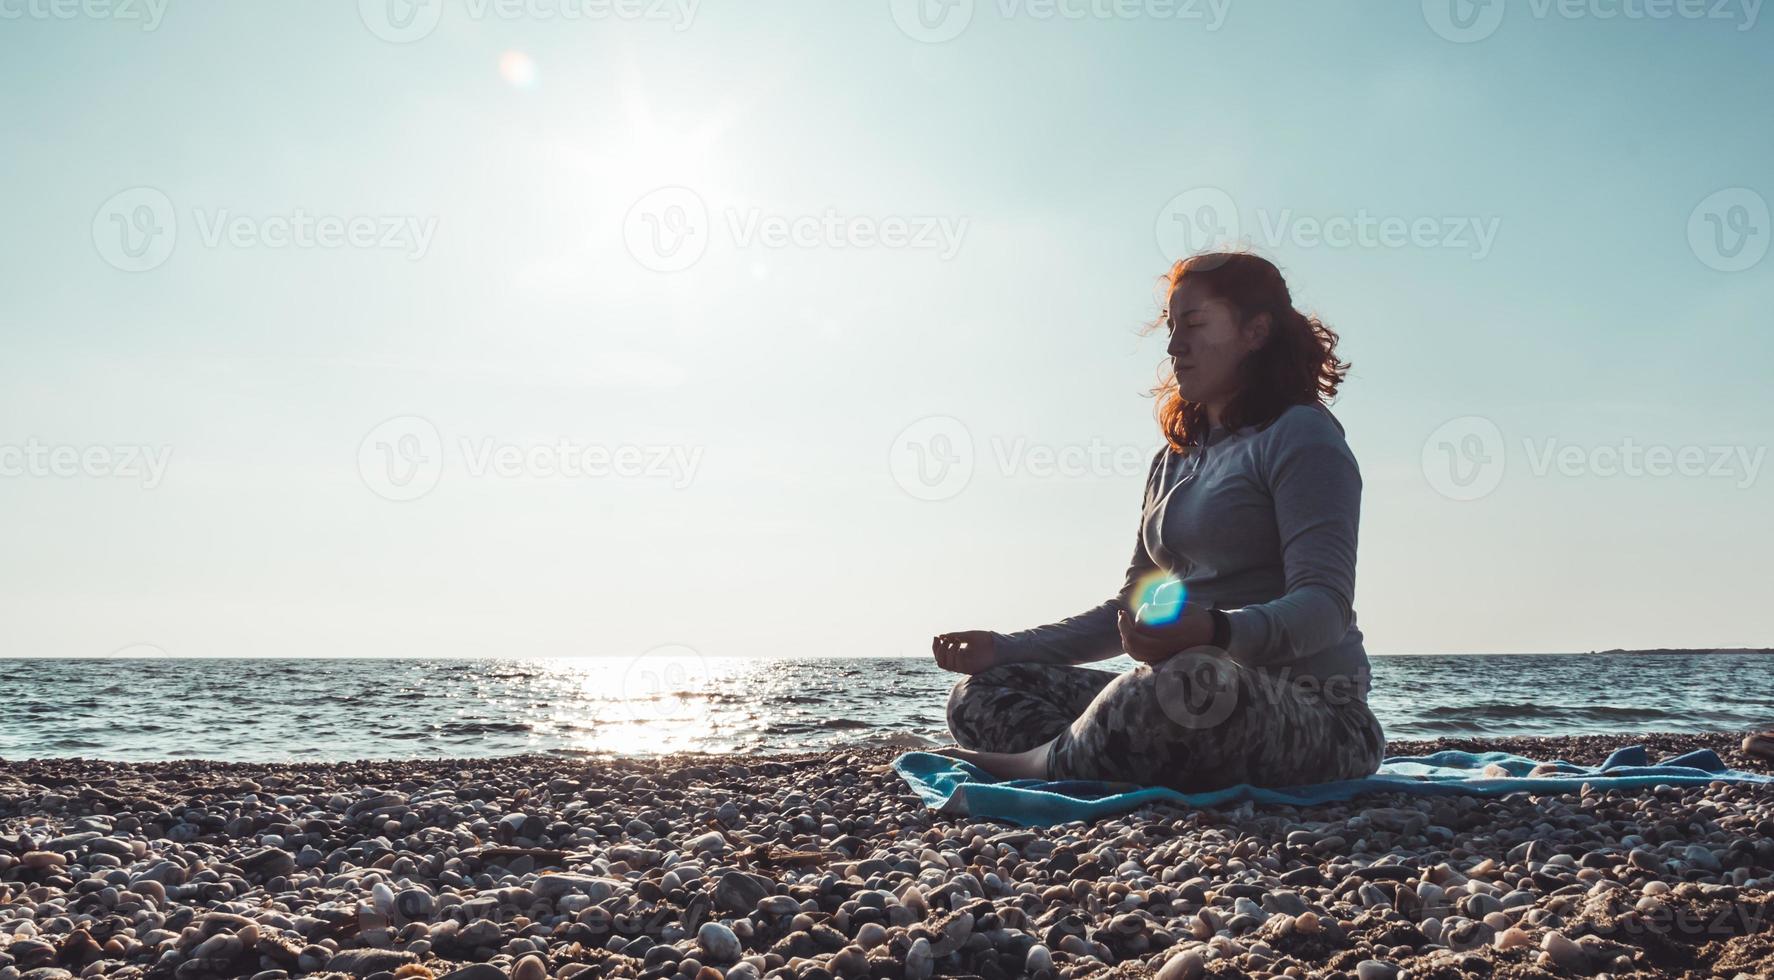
x,y
1049,148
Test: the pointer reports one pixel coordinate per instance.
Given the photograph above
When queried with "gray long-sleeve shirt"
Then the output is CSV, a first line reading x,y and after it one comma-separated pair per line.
x,y
1259,524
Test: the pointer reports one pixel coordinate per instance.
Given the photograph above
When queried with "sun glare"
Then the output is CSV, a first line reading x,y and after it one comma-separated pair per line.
x,y
518,69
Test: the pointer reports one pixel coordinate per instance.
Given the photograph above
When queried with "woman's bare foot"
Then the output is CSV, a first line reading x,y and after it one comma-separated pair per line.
x,y
1005,765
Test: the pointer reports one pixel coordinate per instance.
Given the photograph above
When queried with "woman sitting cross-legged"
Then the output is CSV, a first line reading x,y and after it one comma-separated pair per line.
x,y
1253,505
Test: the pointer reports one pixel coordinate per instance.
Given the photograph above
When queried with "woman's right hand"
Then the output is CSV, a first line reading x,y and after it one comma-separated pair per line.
x,y
966,652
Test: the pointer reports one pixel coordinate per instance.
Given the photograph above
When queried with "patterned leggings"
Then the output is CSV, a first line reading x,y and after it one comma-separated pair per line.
x,y
1198,721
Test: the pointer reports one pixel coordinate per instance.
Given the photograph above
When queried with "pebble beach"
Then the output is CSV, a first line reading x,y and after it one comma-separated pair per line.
x,y
824,865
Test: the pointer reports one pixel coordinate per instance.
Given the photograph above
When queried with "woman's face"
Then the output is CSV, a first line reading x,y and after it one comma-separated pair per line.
x,y
1207,343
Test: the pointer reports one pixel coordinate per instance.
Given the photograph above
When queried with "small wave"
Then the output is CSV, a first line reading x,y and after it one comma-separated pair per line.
x,y
1507,710
1614,711
488,728
889,740
1432,726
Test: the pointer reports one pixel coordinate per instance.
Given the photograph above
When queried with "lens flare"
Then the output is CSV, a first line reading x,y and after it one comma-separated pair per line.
x,y
1159,598
518,69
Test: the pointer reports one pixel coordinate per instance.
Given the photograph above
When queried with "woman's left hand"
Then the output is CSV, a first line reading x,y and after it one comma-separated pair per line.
x,y
1151,644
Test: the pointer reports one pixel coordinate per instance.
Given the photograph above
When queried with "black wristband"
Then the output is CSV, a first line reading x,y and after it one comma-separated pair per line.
x,y
1222,629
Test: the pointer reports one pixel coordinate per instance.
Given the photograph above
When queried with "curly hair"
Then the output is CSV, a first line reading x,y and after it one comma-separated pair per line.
x,y
1297,365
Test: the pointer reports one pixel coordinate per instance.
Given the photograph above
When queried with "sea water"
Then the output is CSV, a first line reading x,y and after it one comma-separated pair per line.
x,y
329,709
